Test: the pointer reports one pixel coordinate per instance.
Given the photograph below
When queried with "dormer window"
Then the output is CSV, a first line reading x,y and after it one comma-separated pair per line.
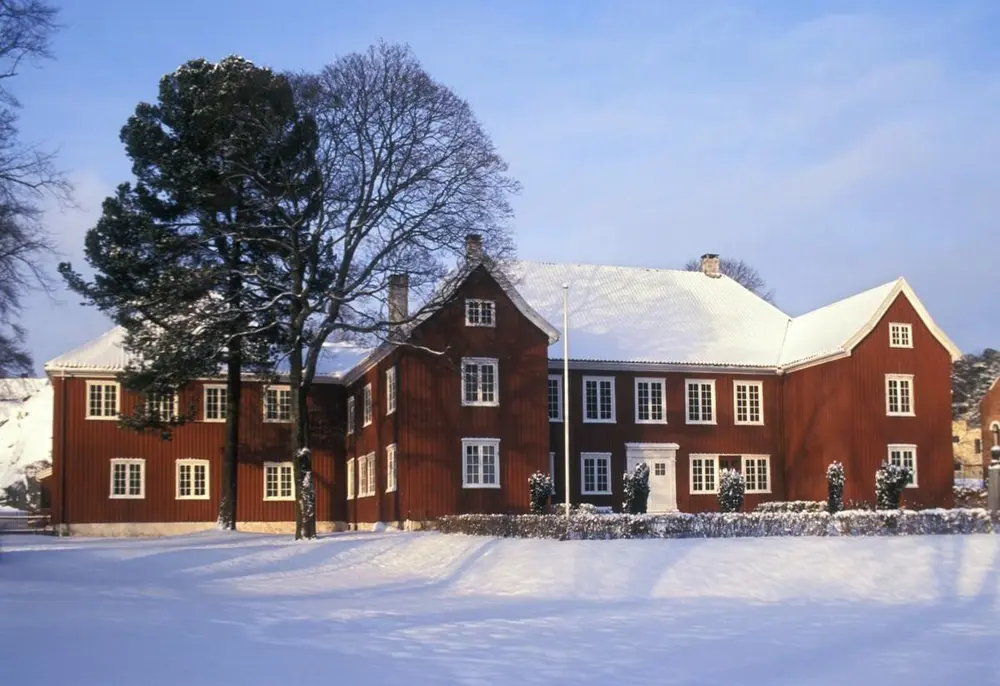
x,y
480,313
900,335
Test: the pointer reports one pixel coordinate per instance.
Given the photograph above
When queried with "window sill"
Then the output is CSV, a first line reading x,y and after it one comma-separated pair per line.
x,y
694,423
365,426
277,421
479,486
650,421
595,493
748,423
390,490
191,497
900,414
102,419
480,326
767,492
126,497
214,421
901,347
913,485
599,421
466,403
279,500
703,493
555,421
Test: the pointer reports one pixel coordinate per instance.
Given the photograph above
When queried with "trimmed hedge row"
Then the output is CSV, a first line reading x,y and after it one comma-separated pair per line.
x,y
728,525
791,506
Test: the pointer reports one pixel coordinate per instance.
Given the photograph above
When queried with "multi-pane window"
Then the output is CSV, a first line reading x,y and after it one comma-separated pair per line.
x,y
704,471
390,390
162,406
757,473
555,398
366,405
350,415
749,402
390,468
599,399
596,473
479,381
480,313
192,479
900,335
215,401
650,401
481,462
278,482
899,394
700,401
277,404
366,475
128,478
905,456
350,479
102,400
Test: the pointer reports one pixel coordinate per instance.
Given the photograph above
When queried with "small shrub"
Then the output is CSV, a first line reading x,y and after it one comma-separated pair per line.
x,y
834,488
636,490
732,488
541,489
890,480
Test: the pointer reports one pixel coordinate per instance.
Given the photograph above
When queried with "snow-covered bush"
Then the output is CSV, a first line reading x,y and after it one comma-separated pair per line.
x,y
541,488
890,480
775,506
835,487
970,497
581,508
636,489
732,488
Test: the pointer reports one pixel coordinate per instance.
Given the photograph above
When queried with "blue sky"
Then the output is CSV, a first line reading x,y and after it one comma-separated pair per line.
x,y
835,146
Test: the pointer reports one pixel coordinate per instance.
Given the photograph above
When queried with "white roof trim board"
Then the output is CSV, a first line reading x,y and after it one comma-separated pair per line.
x,y
625,317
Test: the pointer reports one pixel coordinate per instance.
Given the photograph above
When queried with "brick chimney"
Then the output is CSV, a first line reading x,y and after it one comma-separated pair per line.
x,y
473,247
710,265
399,299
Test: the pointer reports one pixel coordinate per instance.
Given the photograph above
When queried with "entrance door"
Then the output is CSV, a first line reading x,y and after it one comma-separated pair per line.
x,y
661,458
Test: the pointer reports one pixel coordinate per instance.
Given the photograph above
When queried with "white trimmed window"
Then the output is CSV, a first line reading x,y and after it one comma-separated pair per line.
x,y
366,475
192,479
479,381
900,335
277,404
757,473
595,473
161,405
366,405
599,399
700,401
899,395
102,400
350,415
749,402
278,481
905,456
704,471
128,478
650,401
555,398
480,312
390,390
350,479
390,468
480,463
215,399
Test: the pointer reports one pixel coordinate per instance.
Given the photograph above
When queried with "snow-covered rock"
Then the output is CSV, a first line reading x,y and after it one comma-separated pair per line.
x,y
26,431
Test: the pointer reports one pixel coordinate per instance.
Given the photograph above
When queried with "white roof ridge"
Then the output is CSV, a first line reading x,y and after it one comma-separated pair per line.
x,y
840,301
553,263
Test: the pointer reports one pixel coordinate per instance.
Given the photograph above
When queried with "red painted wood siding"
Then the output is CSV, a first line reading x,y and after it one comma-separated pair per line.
x,y
837,411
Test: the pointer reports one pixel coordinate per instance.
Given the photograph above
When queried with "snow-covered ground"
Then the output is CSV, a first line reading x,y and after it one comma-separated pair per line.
x,y
399,608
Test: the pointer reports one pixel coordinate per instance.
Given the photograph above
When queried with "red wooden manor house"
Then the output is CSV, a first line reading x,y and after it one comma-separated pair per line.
x,y
686,371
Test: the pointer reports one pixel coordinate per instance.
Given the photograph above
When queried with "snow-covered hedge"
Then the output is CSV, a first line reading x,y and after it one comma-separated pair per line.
x,y
791,506
727,525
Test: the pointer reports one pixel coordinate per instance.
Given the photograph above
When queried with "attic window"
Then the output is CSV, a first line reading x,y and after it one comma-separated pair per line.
x,y
900,335
480,313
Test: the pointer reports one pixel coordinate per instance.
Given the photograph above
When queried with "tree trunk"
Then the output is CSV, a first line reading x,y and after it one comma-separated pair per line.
x,y
305,501
230,460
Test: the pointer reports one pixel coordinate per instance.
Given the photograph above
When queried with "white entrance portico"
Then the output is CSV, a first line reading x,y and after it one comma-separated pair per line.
x,y
661,458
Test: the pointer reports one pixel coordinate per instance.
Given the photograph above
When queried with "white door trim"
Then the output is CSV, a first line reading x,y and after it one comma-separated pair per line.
x,y
664,499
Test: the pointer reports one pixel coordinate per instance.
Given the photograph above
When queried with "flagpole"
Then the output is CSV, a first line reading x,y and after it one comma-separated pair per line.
x,y
565,333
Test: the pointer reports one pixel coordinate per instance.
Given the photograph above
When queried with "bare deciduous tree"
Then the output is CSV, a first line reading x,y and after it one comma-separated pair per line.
x,y
742,273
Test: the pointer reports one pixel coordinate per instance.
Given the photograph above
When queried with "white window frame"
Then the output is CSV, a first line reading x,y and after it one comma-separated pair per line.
x,y
597,457
278,389
367,476
128,462
705,458
614,409
350,479
118,400
902,448
391,469
744,459
366,406
889,378
993,433
559,385
192,463
480,302
390,390
495,443
687,401
662,383
904,331
759,385
223,407
481,362
352,418
154,399
280,466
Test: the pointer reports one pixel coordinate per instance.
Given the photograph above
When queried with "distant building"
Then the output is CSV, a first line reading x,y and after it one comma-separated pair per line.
x,y
967,444
989,412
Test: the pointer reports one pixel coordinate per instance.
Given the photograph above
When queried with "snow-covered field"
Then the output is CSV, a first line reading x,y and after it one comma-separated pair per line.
x,y
399,608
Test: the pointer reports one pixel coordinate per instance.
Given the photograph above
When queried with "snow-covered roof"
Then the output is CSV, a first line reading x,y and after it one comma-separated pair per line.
x,y
19,389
